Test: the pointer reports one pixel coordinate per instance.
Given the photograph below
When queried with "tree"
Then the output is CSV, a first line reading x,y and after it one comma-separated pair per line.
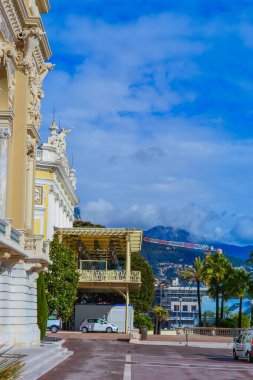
x,y
62,280
241,285
232,322
196,274
141,320
215,271
42,308
142,300
225,286
161,314
86,224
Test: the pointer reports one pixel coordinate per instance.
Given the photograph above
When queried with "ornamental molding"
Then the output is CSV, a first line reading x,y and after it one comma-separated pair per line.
x,y
12,15
5,133
30,147
33,267
5,28
29,59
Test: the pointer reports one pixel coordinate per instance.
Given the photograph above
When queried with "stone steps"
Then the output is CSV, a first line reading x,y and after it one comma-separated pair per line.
x,y
40,360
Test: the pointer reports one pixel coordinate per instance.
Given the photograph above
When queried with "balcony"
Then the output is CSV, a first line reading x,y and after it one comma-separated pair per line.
x,y
17,243
109,278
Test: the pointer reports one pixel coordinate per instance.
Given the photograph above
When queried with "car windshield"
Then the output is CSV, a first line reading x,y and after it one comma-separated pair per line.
x,y
53,317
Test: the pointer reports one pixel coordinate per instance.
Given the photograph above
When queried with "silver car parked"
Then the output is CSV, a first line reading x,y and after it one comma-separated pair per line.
x,y
243,346
97,325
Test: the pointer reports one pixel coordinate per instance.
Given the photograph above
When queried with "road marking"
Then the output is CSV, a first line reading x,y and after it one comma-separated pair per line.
x,y
193,366
127,369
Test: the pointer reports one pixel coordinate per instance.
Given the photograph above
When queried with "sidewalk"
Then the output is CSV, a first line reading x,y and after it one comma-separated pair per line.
x,y
191,340
89,336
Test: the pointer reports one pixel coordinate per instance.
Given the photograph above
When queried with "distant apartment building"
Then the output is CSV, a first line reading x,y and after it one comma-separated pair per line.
x,y
181,303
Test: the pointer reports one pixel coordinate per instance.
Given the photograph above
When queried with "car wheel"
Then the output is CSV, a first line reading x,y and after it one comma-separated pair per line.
x,y
235,357
84,330
249,358
53,329
109,330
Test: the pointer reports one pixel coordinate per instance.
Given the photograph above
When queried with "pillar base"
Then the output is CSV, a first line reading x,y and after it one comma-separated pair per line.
x,y
20,335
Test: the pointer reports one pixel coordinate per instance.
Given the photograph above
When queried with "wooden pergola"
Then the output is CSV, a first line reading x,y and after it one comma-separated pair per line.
x,y
98,245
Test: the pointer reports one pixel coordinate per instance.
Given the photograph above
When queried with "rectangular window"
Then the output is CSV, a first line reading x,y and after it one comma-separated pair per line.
x,y
194,308
185,307
176,307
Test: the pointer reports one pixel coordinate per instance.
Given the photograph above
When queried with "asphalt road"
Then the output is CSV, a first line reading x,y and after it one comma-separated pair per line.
x,y
116,360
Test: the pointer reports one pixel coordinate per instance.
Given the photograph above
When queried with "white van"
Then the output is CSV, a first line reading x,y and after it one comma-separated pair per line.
x,y
243,346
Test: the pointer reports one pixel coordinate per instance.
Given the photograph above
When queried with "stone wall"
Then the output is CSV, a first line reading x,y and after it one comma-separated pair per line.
x,y
18,312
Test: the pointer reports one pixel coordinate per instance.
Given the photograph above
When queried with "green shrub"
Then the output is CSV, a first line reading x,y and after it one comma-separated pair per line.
x,y
141,320
42,309
233,322
11,367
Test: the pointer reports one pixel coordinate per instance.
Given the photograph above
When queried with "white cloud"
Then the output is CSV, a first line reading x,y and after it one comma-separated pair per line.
x,y
138,164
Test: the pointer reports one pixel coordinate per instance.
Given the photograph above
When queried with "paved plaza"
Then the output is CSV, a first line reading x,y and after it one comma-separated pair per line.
x,y
96,359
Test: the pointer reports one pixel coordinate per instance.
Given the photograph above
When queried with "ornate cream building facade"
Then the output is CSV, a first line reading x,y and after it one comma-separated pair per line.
x,y
24,49
55,187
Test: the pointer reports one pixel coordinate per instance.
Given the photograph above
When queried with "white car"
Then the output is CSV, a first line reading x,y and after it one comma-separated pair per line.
x,y
243,346
97,325
54,323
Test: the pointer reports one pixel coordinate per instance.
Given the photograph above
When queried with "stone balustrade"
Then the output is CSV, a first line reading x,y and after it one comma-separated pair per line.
x,y
209,331
34,244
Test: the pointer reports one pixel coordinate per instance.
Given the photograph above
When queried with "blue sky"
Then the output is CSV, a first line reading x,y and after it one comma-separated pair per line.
x,y
160,95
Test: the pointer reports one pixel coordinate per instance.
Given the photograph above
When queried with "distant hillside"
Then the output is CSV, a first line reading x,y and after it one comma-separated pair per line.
x,y
156,254
170,233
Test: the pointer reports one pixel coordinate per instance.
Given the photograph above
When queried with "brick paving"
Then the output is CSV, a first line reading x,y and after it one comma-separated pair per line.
x,y
96,359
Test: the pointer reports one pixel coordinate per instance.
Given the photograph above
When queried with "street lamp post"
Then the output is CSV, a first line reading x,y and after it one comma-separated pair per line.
x,y
180,313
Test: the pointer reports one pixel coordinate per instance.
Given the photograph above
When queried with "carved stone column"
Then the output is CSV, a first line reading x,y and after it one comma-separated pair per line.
x,y
29,183
4,135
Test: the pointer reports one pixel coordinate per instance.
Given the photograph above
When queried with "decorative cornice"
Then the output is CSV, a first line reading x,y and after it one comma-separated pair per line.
x,y
59,170
12,15
33,21
5,26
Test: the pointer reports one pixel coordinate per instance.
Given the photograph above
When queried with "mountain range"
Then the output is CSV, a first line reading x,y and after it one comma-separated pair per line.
x,y
157,254
172,234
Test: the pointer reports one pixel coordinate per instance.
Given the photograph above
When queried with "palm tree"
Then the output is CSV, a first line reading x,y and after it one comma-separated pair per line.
x,y
215,268
161,314
226,286
196,274
242,284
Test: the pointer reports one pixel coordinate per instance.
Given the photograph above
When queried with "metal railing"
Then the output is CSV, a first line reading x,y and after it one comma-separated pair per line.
x,y
109,276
